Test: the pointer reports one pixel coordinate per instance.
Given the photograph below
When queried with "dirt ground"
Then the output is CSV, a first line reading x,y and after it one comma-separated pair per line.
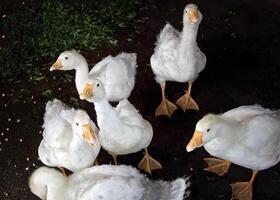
x,y
241,41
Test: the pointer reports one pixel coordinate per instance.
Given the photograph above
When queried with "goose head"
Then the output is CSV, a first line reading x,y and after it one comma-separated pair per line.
x,y
93,91
84,127
208,128
192,15
47,183
68,60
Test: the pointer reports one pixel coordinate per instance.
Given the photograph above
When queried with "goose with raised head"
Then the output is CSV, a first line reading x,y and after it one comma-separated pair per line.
x,y
69,138
122,129
248,136
178,58
117,73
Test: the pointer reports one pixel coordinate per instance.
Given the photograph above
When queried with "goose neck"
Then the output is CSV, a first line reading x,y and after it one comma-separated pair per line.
x,y
188,43
81,75
103,108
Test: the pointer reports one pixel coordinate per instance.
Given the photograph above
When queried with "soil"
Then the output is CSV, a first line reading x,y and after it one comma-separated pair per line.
x,y
241,42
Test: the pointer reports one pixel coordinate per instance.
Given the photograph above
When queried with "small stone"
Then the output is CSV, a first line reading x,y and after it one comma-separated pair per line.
x,y
3,94
18,120
23,3
6,139
59,89
7,129
9,119
34,102
3,36
4,16
15,166
27,168
5,105
27,159
20,140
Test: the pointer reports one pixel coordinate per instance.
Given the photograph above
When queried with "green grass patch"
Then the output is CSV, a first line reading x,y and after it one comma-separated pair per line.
x,y
37,33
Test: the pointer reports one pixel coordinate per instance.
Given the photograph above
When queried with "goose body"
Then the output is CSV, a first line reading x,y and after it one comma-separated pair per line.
x,y
69,138
250,137
177,56
122,130
105,182
117,73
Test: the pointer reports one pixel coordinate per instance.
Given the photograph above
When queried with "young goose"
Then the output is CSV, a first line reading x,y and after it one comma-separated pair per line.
x,y
178,58
107,182
69,138
122,129
248,136
117,73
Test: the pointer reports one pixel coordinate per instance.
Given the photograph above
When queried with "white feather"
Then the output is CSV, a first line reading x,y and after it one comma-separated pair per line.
x,y
107,182
122,129
176,56
117,73
248,136
61,146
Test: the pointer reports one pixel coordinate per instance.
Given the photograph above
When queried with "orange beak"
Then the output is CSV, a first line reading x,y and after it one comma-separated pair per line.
x,y
193,15
88,134
195,142
57,65
87,92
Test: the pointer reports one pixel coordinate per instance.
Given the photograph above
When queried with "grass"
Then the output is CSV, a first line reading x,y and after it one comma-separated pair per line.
x,y
37,33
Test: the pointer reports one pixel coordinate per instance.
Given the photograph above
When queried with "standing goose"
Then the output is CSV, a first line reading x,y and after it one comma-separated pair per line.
x,y
106,182
122,129
248,136
178,58
69,138
117,73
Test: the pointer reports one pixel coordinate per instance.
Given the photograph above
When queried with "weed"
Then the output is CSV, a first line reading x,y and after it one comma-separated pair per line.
x,y
36,34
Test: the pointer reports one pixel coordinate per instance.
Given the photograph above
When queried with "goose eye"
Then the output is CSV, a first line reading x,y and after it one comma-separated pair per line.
x,y
77,123
97,84
208,129
66,58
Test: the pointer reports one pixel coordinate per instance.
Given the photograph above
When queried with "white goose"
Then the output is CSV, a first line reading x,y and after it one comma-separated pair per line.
x,y
248,136
178,58
117,73
122,129
69,138
107,182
